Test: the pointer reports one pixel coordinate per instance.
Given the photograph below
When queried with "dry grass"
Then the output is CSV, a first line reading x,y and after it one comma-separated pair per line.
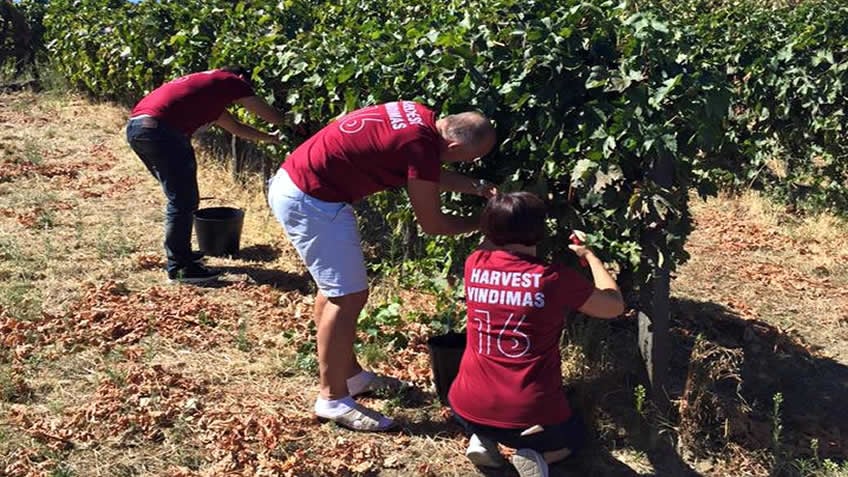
x,y
105,371
759,261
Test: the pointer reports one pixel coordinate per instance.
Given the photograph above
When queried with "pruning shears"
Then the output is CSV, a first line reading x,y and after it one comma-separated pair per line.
x,y
578,237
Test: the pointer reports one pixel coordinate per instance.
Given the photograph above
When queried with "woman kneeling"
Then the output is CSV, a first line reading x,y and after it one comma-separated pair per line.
x,y
509,386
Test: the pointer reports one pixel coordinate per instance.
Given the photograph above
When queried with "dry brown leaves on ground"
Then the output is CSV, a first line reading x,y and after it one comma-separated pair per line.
x,y
109,315
30,218
759,270
133,403
10,171
107,187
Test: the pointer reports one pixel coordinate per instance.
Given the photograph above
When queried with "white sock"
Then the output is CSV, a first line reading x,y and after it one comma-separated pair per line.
x,y
359,382
332,408
477,442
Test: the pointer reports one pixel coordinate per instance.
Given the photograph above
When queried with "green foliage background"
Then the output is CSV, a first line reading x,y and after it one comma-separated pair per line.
x,y
587,96
21,33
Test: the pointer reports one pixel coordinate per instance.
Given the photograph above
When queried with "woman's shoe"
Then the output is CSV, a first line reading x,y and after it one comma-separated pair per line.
x,y
530,463
483,452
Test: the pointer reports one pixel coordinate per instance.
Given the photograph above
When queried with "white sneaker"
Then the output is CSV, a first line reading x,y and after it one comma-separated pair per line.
x,y
530,463
483,452
360,418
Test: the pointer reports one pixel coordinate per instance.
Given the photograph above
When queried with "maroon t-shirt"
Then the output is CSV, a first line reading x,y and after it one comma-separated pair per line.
x,y
510,376
369,150
194,100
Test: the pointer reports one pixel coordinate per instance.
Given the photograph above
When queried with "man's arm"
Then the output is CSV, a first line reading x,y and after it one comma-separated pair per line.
x,y
242,130
450,181
259,107
427,205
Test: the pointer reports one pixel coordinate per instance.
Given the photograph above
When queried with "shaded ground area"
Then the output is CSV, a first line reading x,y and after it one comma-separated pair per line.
x,y
105,370
752,386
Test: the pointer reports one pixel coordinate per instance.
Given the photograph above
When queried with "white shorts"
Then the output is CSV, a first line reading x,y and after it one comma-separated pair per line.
x,y
325,235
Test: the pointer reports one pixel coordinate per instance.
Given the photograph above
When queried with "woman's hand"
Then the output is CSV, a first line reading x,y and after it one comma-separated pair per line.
x,y
606,300
581,251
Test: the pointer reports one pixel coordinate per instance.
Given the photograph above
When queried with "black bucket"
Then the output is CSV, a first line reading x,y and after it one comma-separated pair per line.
x,y
445,354
218,230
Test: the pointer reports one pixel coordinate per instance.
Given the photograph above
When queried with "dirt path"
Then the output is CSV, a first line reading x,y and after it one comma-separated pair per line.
x,y
107,371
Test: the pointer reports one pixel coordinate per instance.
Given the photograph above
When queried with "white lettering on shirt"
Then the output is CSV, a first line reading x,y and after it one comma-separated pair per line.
x,y
539,300
528,294
411,113
505,297
395,116
482,276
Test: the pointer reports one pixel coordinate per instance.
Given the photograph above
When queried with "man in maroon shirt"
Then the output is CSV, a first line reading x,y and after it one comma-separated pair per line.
x,y
160,130
509,385
397,144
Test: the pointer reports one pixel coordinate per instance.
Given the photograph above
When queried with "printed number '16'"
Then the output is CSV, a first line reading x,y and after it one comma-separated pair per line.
x,y
516,346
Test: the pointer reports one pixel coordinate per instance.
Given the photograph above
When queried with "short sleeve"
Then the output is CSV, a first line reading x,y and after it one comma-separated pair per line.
x,y
573,287
237,88
422,157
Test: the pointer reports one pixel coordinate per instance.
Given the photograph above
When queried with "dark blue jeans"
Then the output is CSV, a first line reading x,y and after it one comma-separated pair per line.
x,y
169,157
569,434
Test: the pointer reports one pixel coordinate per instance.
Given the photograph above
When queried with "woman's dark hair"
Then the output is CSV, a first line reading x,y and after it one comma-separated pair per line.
x,y
517,217
238,71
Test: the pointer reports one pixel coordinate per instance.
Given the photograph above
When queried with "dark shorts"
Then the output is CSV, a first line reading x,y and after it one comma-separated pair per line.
x,y
570,434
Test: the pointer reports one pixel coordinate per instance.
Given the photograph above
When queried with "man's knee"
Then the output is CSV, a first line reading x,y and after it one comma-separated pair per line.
x,y
351,300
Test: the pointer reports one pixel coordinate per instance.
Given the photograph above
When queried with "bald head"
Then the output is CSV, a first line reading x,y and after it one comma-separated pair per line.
x,y
469,135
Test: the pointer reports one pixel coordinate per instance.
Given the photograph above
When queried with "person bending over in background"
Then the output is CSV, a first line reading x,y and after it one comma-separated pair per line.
x,y
369,150
509,385
159,131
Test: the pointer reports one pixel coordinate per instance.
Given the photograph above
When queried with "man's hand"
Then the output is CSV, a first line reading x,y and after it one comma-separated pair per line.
x,y
485,188
277,136
452,181
273,139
